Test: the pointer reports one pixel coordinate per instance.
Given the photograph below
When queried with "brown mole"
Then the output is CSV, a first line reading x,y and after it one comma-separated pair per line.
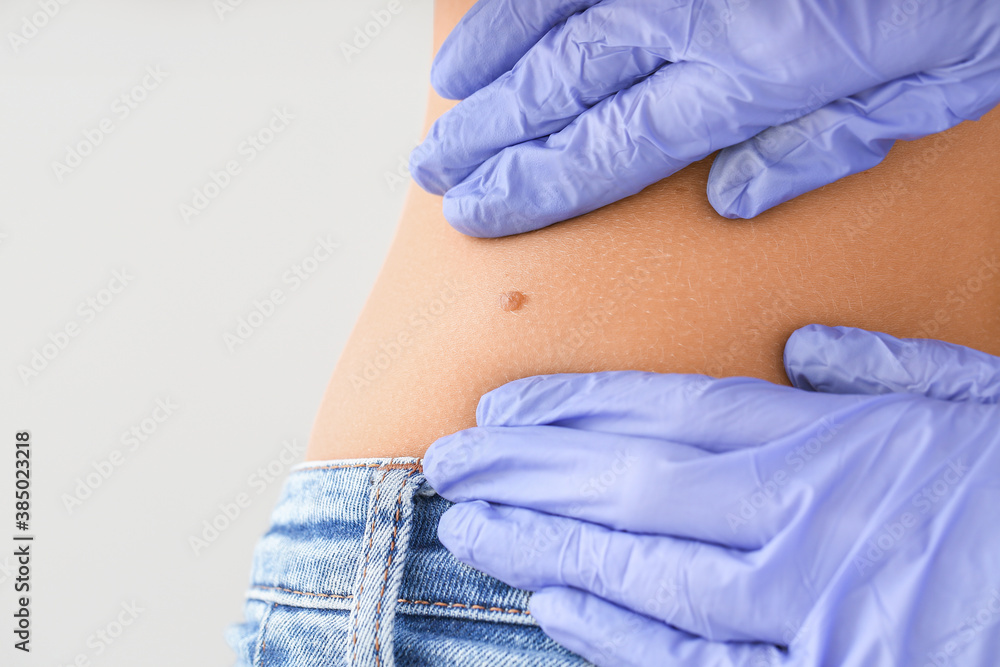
x,y
512,300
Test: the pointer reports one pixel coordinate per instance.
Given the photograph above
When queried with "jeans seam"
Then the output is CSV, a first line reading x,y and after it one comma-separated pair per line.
x,y
461,605
432,603
263,630
388,564
416,467
364,570
291,590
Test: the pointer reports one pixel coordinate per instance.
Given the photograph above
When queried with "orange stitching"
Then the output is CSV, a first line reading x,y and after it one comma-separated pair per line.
x,y
466,606
319,595
388,564
263,641
364,570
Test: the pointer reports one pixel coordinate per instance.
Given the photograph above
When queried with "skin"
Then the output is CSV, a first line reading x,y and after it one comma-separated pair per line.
x,y
660,282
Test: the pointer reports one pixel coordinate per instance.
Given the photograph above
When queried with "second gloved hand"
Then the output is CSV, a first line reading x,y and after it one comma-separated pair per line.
x,y
574,104
678,519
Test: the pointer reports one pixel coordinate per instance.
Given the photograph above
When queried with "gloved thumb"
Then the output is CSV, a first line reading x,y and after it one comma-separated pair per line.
x,y
842,138
846,360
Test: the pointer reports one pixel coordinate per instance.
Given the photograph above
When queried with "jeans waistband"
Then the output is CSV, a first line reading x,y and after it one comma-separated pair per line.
x,y
361,535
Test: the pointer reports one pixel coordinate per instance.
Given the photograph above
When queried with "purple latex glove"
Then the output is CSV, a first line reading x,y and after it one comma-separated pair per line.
x,y
679,519
572,105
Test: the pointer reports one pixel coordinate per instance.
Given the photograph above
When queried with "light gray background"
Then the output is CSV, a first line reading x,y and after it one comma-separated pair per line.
x,y
161,337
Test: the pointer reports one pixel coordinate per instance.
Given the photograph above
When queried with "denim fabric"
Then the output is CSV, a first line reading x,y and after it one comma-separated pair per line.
x,y
351,573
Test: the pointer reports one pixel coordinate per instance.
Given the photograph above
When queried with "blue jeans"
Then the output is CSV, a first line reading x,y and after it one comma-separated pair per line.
x,y
351,573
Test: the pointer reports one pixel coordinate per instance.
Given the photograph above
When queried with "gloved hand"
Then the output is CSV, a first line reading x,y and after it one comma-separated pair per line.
x,y
679,519
605,101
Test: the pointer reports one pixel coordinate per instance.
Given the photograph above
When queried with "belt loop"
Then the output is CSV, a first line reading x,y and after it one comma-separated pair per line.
x,y
380,571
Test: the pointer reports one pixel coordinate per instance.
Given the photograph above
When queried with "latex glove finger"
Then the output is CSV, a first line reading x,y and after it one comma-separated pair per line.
x,y
842,138
585,59
638,136
608,635
614,481
700,588
845,360
655,405
490,38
